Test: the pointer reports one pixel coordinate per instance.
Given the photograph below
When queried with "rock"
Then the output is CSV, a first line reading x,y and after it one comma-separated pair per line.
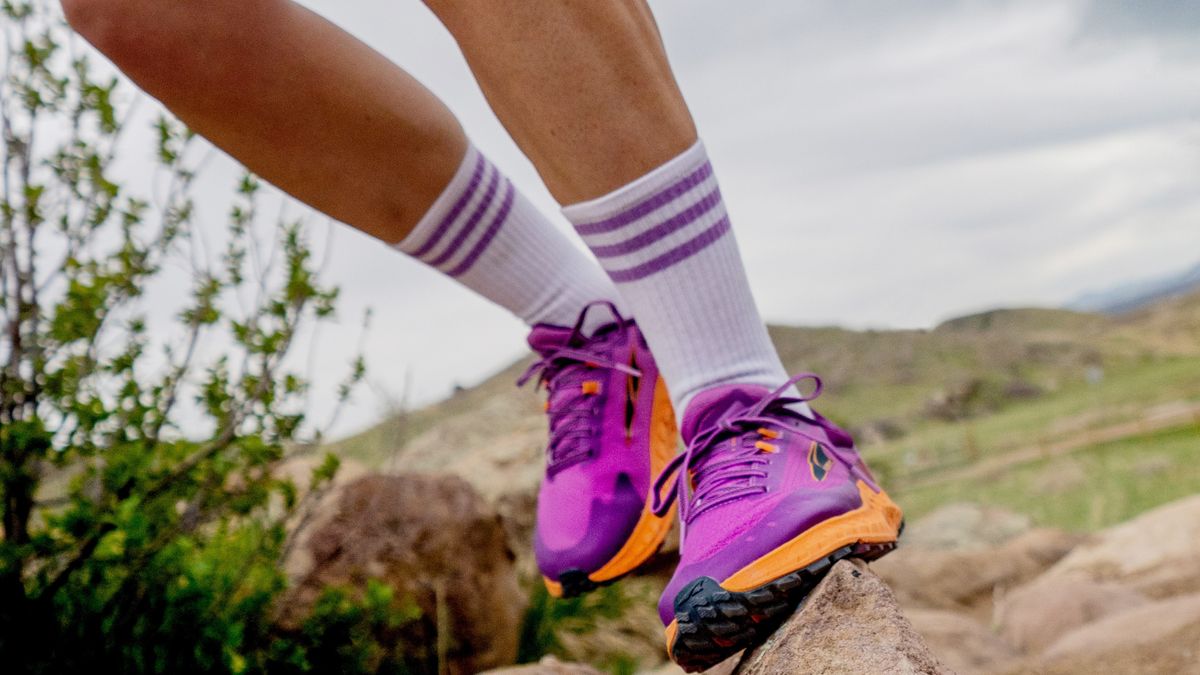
x,y
968,580
1155,553
314,510
963,644
1037,614
726,667
440,546
850,623
547,666
1155,623
1176,654
965,526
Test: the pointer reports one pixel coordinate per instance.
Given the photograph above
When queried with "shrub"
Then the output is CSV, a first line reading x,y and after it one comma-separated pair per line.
x,y
142,520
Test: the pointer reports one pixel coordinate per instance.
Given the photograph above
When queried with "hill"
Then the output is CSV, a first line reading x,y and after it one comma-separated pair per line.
x,y
1132,296
1074,420
922,403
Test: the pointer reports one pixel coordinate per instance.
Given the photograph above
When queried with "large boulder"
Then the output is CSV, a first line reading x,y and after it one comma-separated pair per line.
x,y
965,645
1155,553
439,545
1159,631
850,623
1177,654
1153,623
1037,614
965,526
968,580
314,508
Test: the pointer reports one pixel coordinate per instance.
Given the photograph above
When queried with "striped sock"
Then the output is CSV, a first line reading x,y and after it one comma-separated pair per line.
x,y
665,240
485,234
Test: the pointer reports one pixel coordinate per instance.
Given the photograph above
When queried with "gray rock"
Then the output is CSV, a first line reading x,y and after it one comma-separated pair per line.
x,y
1155,553
965,526
1144,625
1039,613
962,643
440,546
967,580
850,623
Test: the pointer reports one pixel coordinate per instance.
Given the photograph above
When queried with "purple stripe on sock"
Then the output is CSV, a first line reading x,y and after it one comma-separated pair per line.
x,y
675,255
469,226
660,231
497,223
459,205
656,201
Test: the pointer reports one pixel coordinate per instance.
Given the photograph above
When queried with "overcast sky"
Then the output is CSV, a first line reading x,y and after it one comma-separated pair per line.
x,y
885,165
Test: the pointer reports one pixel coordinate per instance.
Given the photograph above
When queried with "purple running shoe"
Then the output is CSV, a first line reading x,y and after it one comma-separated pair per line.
x,y
769,500
612,431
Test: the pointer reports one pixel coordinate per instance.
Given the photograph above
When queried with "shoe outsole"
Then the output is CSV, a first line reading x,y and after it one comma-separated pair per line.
x,y
575,583
713,623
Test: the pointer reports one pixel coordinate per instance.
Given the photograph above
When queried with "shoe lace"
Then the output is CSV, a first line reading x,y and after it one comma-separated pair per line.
x,y
712,472
573,395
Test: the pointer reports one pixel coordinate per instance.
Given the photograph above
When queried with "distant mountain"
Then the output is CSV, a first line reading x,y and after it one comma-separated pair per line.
x,y
1138,294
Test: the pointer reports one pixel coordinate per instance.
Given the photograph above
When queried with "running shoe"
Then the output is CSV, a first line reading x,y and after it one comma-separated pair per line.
x,y
769,499
612,431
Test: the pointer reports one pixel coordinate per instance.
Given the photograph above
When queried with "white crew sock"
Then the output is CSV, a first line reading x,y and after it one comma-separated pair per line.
x,y
665,240
484,233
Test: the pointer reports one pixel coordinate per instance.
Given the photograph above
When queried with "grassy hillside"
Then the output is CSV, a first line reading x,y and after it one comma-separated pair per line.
x,y
1079,419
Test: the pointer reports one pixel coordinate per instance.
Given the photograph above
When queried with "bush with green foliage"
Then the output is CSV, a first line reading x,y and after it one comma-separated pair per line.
x,y
143,521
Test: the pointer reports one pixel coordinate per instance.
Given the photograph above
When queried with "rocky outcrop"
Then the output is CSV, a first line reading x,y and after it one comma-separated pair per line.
x,y
851,623
439,545
1176,654
1155,553
962,643
1034,616
965,526
1150,624
968,580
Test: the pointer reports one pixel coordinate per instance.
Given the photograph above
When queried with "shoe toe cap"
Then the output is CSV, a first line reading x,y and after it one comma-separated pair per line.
x,y
570,536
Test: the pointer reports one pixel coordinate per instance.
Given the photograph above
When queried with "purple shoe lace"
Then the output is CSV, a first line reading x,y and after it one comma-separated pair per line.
x,y
730,473
573,411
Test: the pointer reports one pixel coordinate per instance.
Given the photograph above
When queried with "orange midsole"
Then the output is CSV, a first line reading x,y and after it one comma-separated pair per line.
x,y
650,530
876,521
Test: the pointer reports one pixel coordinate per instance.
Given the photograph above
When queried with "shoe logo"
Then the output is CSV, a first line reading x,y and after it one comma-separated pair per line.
x,y
819,461
633,386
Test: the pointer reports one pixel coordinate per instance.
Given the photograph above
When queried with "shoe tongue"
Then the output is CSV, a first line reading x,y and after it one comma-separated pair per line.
x,y
709,406
545,338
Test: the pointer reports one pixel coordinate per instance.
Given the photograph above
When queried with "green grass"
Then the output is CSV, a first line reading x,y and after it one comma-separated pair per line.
x,y
1125,395
1092,488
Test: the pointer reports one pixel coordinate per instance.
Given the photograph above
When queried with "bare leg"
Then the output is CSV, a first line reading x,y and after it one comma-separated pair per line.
x,y
584,87
293,97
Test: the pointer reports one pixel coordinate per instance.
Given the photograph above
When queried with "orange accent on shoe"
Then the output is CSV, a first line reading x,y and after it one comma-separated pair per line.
x,y
553,588
766,447
769,433
650,530
876,521
671,632
591,387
